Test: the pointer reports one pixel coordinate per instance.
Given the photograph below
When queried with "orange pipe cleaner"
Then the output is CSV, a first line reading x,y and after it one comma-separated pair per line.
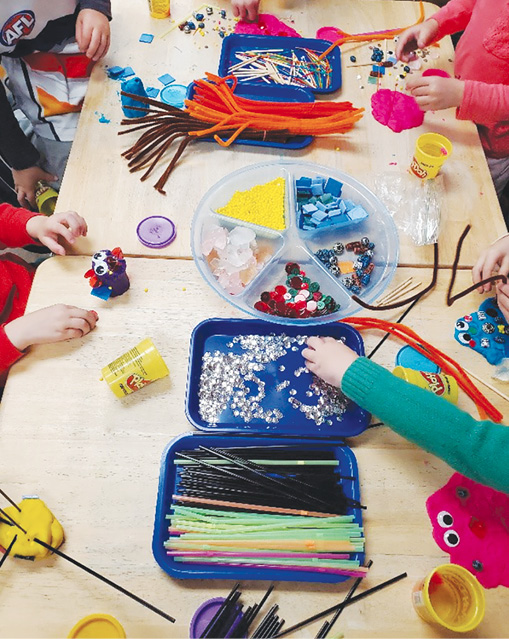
x,y
446,363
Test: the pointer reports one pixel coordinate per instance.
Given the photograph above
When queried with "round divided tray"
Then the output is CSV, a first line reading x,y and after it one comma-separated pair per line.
x,y
276,248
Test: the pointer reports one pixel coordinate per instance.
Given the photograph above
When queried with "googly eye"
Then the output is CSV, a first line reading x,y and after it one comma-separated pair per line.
x,y
445,519
461,325
465,338
97,256
100,270
451,538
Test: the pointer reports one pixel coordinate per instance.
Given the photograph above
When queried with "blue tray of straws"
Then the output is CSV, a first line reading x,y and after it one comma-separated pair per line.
x,y
168,486
267,93
277,60
282,397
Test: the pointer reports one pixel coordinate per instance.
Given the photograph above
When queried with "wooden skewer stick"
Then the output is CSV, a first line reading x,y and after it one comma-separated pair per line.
x,y
402,293
10,500
492,388
397,290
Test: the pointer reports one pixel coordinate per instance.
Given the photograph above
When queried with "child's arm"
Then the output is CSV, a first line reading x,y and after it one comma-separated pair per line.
x,y
93,29
19,153
479,450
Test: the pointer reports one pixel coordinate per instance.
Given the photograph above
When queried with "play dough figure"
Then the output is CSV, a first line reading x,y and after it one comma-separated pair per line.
x,y
38,521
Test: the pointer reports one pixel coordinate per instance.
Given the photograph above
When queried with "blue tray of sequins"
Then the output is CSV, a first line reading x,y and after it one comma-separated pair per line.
x,y
249,376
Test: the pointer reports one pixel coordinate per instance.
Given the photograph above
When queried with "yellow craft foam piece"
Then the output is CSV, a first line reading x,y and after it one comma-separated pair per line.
x,y
38,520
346,267
263,205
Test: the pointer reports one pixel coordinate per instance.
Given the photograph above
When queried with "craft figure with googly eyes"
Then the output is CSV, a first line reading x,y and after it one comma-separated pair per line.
x,y
471,523
485,331
108,276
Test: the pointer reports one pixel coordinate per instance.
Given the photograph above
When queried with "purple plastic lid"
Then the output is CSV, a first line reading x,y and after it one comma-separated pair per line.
x,y
156,231
204,614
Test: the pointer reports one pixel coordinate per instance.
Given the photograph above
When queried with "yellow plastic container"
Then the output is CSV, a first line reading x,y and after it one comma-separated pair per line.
x,y
137,368
451,597
431,151
159,8
45,198
97,626
438,383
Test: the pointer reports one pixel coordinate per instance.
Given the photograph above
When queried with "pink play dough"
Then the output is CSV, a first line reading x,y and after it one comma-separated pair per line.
x,y
396,110
267,25
332,34
440,72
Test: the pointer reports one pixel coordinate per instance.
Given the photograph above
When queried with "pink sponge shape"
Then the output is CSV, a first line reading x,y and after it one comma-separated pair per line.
x,y
440,72
396,110
267,25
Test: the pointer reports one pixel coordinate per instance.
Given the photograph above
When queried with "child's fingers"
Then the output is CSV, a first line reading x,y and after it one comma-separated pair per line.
x,y
314,342
95,41
76,223
81,315
79,33
53,245
309,354
252,12
477,272
503,304
312,366
86,37
424,103
504,267
61,229
236,12
415,82
488,268
104,46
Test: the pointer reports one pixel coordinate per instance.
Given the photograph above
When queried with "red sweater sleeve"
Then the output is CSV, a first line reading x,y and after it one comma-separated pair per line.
x,y
8,352
13,222
453,17
484,103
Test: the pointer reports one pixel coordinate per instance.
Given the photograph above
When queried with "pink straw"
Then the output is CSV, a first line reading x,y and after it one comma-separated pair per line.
x,y
331,571
276,555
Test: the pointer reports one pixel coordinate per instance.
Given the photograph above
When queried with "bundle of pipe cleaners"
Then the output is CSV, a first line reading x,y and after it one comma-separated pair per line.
x,y
446,363
215,110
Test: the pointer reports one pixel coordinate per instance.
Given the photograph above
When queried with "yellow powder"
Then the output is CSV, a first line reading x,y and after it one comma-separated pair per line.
x,y
263,205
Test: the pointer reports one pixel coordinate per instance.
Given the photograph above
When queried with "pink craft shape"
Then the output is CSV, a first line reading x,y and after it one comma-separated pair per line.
x,y
332,34
267,25
471,523
396,110
439,72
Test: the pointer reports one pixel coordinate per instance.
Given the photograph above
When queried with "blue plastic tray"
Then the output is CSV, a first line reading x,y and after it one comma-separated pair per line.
x,y
168,482
268,93
241,42
214,334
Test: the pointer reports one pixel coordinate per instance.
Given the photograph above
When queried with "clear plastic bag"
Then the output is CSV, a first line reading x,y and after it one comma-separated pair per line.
x,y
414,204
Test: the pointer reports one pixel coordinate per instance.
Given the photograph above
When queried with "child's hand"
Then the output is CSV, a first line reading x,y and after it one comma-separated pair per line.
x,y
433,92
25,182
52,324
50,230
328,358
246,9
93,33
416,37
495,256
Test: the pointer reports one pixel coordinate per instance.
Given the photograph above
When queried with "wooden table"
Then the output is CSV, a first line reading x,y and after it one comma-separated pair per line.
x,y
98,185
95,460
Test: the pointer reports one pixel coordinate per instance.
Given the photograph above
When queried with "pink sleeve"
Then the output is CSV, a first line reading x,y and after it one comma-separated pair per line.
x,y
484,103
453,17
8,352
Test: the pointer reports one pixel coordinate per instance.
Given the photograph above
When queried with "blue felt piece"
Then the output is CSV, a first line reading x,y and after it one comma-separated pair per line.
x,y
357,213
335,212
392,58
126,73
146,38
309,209
114,72
166,79
342,206
379,69
349,205
408,357
152,92
485,331
102,292
317,189
333,187
320,206
134,85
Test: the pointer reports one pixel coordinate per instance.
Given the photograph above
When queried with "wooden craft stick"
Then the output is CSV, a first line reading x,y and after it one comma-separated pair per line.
x,y
399,288
492,388
407,289
11,501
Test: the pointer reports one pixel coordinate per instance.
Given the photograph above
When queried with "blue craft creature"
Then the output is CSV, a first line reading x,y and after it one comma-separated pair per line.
x,y
135,86
486,331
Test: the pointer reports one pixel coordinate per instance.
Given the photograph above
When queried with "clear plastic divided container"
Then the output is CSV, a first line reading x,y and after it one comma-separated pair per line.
x,y
298,245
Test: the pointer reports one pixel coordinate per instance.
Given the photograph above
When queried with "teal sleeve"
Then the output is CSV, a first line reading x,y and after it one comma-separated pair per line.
x,y
476,449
